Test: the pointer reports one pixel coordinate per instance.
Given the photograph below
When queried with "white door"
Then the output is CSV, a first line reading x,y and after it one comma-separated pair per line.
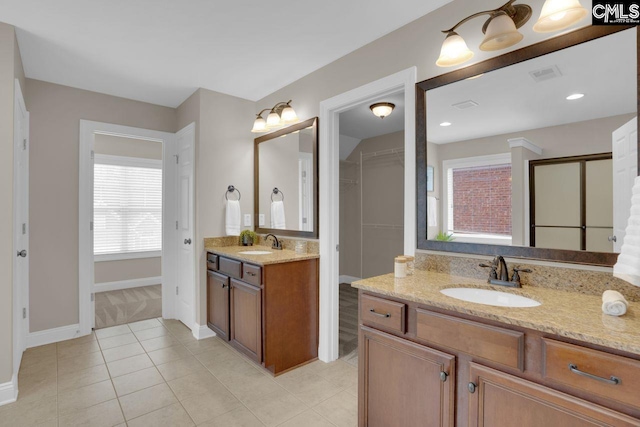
x,y
185,288
20,226
625,169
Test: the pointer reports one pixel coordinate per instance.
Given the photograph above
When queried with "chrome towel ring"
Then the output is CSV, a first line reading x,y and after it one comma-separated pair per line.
x,y
276,191
231,189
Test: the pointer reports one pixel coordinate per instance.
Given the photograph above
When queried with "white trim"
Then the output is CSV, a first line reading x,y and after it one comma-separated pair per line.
x,y
135,162
344,278
201,332
126,255
48,336
9,391
524,143
329,155
126,284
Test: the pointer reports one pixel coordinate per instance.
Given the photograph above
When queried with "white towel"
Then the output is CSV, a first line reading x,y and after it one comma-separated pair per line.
x,y
614,303
233,218
277,215
432,211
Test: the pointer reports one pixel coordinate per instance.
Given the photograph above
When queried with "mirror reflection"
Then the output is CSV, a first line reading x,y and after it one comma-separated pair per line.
x,y
542,153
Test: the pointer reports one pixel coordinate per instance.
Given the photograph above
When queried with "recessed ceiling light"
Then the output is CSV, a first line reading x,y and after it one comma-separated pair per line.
x,y
575,96
445,124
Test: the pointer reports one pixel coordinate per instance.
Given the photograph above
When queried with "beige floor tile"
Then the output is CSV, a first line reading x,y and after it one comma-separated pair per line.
x,y
169,354
33,354
117,341
341,409
112,331
122,352
144,324
128,365
308,418
276,407
28,413
148,334
202,346
169,416
248,385
308,387
181,368
148,400
45,369
37,386
84,397
239,417
82,361
340,373
105,414
183,336
195,384
82,377
176,326
208,405
80,340
158,343
138,380
77,349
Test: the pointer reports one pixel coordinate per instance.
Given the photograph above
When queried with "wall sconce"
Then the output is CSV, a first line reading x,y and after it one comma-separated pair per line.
x,y
382,109
281,114
501,29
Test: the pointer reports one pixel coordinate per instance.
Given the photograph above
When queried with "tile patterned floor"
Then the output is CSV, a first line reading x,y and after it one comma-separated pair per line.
x,y
128,305
154,373
348,313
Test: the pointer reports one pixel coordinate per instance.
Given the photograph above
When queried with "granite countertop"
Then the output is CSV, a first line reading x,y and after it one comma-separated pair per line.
x,y
275,257
566,314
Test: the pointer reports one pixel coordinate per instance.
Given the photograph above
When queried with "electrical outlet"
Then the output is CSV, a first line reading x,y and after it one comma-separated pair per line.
x,y
261,219
247,220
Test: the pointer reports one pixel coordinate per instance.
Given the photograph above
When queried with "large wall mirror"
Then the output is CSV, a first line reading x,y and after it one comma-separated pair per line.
x,y
286,181
532,154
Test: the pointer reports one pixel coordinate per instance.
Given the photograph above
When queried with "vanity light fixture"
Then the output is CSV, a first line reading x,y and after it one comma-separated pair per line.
x,y
575,96
382,109
445,124
281,114
501,29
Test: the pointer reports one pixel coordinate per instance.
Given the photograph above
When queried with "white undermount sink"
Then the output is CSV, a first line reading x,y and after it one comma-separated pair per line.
x,y
255,252
490,297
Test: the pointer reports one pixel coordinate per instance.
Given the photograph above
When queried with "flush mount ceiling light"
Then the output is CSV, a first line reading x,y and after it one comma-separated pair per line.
x,y
575,96
281,114
382,109
445,124
501,29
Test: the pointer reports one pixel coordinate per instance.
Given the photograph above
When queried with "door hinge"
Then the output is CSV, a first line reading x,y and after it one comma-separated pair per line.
x,y
177,291
24,144
304,220
337,248
90,225
177,158
176,225
92,155
304,174
93,297
24,312
24,228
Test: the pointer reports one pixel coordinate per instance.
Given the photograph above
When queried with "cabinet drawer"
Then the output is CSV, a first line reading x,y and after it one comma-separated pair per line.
x,y
212,262
592,371
383,313
230,267
498,345
252,274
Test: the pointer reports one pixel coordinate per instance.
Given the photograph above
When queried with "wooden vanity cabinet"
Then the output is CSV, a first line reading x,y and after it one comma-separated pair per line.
x,y
218,304
246,319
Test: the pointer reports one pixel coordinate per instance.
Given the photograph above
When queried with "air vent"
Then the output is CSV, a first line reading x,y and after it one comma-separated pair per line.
x,y
465,105
545,73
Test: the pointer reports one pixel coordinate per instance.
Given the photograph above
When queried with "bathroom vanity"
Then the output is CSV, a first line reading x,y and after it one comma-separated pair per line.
x,y
427,359
265,304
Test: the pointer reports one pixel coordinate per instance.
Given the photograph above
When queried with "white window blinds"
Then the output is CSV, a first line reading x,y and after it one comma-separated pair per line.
x,y
127,205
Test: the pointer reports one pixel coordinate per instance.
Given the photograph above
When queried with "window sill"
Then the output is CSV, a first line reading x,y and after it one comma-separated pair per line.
x,y
126,255
483,239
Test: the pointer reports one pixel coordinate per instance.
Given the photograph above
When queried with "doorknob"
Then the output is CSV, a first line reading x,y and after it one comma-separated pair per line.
x,y
22,253
612,238
187,241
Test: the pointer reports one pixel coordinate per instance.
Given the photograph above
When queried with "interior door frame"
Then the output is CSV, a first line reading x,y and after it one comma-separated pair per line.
x,y
88,129
329,227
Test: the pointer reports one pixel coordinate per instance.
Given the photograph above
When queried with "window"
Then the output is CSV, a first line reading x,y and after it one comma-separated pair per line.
x,y
478,199
127,207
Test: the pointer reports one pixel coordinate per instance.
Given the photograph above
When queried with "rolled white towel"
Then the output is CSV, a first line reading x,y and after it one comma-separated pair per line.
x,y
614,303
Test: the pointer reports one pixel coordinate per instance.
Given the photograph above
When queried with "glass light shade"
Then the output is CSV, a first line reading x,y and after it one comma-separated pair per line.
x,y
382,109
628,266
289,115
259,125
454,51
273,119
559,14
501,33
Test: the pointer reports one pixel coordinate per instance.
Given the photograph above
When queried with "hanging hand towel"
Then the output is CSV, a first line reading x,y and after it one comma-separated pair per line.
x,y
277,215
432,211
614,303
233,218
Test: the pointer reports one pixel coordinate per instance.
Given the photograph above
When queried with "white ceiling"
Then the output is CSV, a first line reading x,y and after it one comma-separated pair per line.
x,y
360,123
509,100
160,51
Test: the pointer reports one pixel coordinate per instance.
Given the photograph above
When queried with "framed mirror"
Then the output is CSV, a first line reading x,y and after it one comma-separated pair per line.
x,y
533,152
286,181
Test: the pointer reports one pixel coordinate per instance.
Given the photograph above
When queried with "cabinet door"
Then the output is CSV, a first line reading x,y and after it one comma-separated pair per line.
x,y
246,319
501,399
403,383
218,303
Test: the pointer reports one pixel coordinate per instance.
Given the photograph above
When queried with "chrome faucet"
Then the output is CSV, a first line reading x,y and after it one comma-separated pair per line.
x,y
499,274
276,243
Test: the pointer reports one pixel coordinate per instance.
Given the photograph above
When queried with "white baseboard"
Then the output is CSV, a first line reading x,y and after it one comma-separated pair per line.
x,y
9,391
126,284
202,331
343,278
48,336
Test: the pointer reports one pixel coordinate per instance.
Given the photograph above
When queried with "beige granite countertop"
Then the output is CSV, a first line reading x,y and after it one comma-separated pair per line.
x,y
275,257
567,314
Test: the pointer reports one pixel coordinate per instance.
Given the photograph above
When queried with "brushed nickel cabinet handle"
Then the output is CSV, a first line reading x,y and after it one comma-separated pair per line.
x,y
443,376
373,311
613,380
250,273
